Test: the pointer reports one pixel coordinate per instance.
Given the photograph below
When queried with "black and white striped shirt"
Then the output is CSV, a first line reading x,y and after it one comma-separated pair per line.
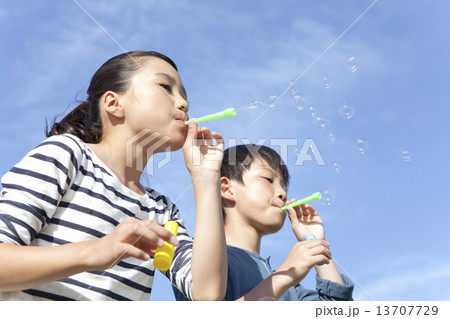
x,y
60,193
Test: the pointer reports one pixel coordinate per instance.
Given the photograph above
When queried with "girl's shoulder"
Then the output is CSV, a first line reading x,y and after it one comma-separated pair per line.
x,y
64,143
64,148
158,197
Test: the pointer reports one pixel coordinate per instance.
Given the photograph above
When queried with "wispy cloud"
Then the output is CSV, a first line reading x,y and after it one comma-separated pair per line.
x,y
409,278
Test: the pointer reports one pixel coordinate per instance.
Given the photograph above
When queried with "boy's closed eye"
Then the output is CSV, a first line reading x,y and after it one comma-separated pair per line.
x,y
269,179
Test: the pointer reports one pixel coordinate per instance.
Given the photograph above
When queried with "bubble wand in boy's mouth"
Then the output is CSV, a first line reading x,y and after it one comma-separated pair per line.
x,y
230,112
315,196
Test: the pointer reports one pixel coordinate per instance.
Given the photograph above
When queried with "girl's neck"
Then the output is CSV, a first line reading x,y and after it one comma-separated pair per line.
x,y
113,155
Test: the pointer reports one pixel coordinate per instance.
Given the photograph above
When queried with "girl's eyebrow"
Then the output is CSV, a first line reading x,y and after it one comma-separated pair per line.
x,y
172,81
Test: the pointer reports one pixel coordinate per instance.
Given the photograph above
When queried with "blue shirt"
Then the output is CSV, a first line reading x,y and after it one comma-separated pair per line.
x,y
246,270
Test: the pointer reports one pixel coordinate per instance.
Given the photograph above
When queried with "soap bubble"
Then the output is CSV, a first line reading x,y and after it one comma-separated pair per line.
x,y
346,111
406,156
336,167
295,88
270,100
352,64
361,146
328,196
299,102
322,122
331,137
312,111
326,82
252,106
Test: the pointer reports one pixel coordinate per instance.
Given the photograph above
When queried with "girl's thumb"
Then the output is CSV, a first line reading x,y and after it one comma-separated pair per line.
x,y
193,128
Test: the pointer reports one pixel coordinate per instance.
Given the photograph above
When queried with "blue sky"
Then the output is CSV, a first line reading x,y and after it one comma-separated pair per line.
x,y
387,224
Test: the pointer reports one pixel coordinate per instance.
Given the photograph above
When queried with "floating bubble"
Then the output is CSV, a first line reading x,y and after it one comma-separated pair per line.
x,y
299,102
336,167
328,196
326,82
406,156
312,111
271,102
331,137
322,122
252,106
295,88
361,146
346,111
352,64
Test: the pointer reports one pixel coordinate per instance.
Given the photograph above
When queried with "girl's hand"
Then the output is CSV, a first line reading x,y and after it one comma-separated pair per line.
x,y
200,154
131,238
305,221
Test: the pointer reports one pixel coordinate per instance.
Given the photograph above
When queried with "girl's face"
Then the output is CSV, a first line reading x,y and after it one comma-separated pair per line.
x,y
157,101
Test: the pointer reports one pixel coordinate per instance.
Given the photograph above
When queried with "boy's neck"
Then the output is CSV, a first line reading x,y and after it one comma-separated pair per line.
x,y
243,236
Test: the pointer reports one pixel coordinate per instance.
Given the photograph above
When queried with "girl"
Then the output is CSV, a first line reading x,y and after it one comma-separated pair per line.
x,y
75,222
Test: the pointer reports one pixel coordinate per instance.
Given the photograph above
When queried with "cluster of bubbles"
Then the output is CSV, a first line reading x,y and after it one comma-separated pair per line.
x,y
345,110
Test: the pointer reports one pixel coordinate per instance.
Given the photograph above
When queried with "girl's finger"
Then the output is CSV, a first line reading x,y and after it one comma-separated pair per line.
x,y
219,140
207,136
132,251
156,231
192,133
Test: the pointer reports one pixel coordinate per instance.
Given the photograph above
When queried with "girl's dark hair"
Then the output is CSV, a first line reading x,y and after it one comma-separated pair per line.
x,y
114,75
239,158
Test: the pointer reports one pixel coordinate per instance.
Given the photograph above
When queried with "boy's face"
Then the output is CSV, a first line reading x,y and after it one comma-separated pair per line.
x,y
259,198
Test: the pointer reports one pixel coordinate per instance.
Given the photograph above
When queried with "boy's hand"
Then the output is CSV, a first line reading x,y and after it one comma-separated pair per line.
x,y
303,256
200,154
305,220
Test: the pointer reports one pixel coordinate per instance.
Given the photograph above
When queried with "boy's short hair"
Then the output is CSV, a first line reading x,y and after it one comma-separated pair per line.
x,y
237,159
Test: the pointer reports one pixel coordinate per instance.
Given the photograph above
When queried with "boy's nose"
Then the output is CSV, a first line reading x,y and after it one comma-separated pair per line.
x,y
281,194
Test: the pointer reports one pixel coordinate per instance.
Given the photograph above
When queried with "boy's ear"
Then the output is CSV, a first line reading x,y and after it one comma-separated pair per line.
x,y
226,189
111,104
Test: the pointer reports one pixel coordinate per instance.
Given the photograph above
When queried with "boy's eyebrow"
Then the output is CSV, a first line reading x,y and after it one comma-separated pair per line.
x,y
172,81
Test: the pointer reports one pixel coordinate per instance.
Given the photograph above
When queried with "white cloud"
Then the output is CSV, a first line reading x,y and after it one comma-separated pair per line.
x,y
408,278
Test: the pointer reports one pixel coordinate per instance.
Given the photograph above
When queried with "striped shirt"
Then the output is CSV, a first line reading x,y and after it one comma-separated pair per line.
x,y
60,193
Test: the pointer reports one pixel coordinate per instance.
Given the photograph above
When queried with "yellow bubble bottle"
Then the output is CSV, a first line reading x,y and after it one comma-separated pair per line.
x,y
164,255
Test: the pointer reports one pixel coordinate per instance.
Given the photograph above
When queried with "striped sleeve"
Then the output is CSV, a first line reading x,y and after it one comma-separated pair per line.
x,y
33,188
180,272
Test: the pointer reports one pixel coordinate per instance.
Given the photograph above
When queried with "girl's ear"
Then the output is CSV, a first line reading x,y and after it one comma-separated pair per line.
x,y
226,189
111,104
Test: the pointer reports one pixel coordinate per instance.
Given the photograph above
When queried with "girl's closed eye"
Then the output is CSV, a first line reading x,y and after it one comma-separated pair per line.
x,y
166,87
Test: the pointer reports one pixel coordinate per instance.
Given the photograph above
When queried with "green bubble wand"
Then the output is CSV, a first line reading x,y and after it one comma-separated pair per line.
x,y
230,112
315,196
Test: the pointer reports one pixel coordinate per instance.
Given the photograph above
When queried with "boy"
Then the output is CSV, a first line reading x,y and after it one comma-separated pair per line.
x,y
254,180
